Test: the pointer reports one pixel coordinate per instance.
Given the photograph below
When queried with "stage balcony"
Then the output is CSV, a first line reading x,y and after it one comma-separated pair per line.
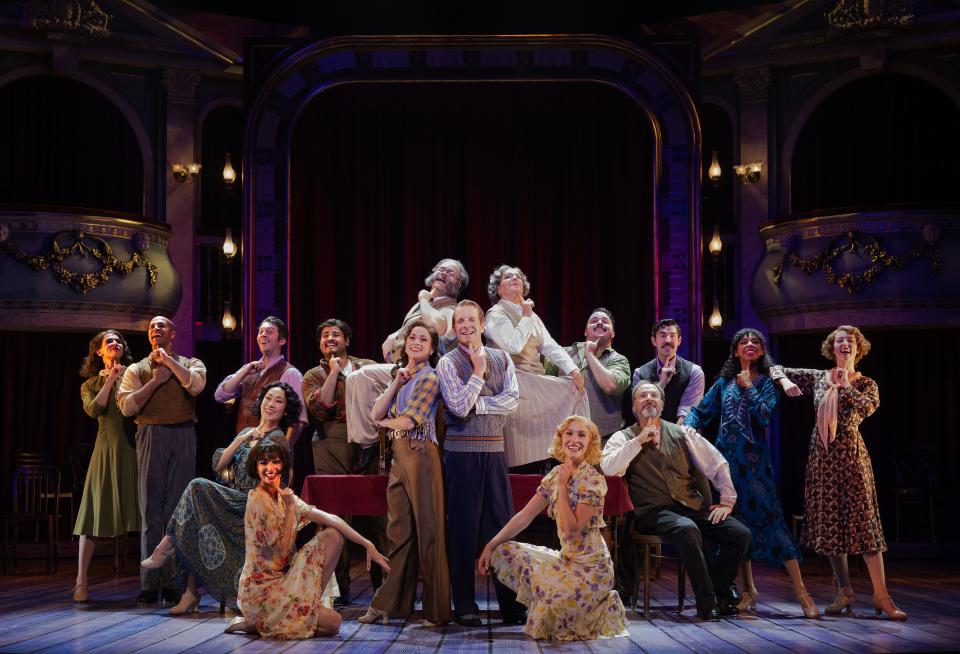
x,y
890,268
65,269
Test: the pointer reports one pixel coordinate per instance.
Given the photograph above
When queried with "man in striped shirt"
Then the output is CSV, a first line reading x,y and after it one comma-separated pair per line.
x,y
479,387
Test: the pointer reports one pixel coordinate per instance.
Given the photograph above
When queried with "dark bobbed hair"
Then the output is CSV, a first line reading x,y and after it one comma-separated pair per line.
x,y
863,345
278,323
493,284
92,363
334,322
291,413
267,448
464,276
613,323
732,365
666,322
434,341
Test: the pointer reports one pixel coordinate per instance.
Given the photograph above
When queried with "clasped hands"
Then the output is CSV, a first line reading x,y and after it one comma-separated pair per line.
x,y
161,361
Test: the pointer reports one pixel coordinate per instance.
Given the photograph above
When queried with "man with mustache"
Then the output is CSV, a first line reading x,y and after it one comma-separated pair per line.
x,y
606,372
479,386
324,389
161,390
445,284
682,381
247,382
658,460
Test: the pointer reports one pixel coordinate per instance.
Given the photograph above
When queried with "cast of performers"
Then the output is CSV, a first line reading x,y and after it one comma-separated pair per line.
x,y
840,499
281,588
415,506
512,326
206,530
161,390
569,594
744,398
108,507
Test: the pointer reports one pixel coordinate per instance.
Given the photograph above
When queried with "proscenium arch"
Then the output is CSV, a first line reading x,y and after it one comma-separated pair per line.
x,y
636,70
133,121
814,101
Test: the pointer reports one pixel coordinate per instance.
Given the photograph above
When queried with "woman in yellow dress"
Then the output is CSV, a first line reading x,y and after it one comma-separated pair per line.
x,y
569,594
281,588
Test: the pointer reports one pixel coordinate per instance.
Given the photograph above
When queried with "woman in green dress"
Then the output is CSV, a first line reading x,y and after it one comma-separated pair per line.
x,y
109,505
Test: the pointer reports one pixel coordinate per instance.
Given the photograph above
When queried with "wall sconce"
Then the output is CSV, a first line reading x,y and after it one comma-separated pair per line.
x,y
229,323
229,174
185,173
714,172
749,172
229,247
716,245
715,321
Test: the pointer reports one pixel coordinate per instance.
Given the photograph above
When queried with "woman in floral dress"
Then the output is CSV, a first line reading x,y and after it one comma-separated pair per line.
x,y
281,589
840,498
206,529
569,594
744,398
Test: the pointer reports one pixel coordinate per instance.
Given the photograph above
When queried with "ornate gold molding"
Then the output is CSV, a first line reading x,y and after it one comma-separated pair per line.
x,y
83,16
850,243
82,245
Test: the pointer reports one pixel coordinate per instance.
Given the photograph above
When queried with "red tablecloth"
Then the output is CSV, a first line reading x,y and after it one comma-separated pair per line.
x,y
367,494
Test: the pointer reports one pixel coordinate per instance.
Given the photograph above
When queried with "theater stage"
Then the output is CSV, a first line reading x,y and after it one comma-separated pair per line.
x,y
38,615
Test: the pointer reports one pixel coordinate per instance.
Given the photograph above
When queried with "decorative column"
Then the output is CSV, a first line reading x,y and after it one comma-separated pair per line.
x,y
754,84
181,91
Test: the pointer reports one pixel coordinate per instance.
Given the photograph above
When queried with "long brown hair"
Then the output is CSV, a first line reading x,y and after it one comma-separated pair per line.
x,y
434,343
93,364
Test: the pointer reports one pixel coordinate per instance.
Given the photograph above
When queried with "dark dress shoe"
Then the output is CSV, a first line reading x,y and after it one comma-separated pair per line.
x,y
341,602
468,620
519,618
169,596
728,610
710,615
147,597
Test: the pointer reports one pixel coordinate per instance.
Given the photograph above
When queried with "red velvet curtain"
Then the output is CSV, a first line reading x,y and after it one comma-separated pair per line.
x,y
387,179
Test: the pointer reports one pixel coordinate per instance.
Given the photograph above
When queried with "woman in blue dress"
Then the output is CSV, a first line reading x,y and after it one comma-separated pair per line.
x,y
744,397
206,529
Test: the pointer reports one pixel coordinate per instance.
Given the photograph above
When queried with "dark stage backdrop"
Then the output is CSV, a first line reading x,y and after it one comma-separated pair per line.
x,y
388,179
915,371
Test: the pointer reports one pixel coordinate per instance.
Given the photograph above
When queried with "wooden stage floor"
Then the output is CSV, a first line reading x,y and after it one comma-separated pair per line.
x,y
37,614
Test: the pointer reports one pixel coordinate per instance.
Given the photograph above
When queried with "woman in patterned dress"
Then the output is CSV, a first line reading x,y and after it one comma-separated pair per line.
x,y
744,398
206,529
281,588
109,504
840,499
415,509
569,594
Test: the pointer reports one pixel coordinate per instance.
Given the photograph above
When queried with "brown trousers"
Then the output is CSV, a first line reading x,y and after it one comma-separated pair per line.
x,y
415,530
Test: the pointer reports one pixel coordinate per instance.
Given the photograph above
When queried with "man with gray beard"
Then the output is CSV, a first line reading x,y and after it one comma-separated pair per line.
x,y
659,461
435,304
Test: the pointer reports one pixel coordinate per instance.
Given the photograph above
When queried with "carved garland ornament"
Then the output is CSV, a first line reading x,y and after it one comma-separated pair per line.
x,y
82,245
880,259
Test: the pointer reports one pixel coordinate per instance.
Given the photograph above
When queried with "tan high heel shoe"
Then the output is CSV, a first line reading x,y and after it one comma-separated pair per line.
x,y
373,615
886,605
158,558
189,603
844,602
748,601
809,607
80,593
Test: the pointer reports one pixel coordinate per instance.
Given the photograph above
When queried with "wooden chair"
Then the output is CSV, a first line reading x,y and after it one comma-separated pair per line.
x,y
916,468
36,500
42,458
652,546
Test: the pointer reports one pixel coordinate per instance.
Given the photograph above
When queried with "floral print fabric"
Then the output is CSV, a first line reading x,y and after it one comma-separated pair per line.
x,y
569,594
280,592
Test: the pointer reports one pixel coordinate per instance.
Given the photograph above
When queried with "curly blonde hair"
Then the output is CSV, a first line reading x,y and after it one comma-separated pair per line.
x,y
863,345
593,448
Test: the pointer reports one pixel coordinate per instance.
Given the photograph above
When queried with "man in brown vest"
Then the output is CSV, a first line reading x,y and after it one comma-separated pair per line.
x,y
658,459
161,390
247,382
324,389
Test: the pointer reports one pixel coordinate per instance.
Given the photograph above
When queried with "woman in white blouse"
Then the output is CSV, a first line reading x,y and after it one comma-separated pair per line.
x,y
512,326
